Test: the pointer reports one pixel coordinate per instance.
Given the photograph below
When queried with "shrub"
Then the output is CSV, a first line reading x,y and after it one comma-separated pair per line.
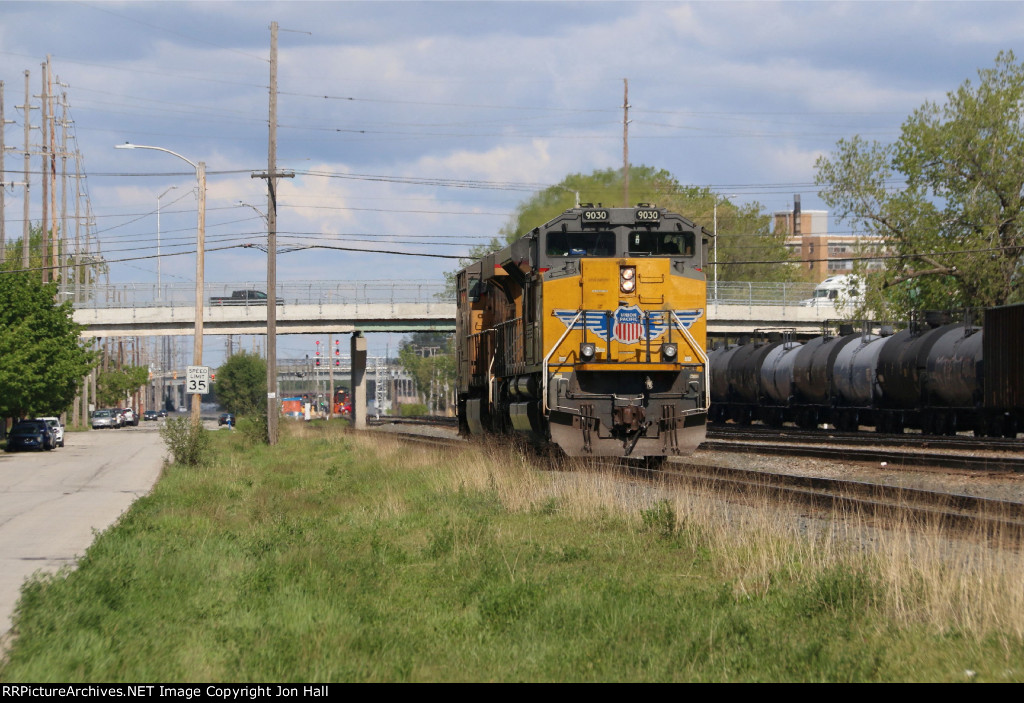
x,y
253,426
189,443
413,409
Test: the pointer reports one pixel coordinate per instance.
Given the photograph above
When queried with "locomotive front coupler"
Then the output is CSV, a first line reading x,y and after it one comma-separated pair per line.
x,y
630,443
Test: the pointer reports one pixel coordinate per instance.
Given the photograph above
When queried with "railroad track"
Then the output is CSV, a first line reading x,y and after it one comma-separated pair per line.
x,y
980,516
892,458
917,441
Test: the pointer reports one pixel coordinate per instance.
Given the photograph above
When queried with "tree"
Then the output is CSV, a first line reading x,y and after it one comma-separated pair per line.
x,y
744,236
429,358
89,273
42,359
115,385
954,229
242,384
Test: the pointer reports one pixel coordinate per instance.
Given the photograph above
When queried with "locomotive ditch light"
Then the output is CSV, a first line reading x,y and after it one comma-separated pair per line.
x,y
669,351
627,279
587,351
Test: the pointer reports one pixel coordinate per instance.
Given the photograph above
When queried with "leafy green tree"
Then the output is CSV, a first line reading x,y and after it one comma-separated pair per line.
x,y
242,384
429,358
115,385
744,232
954,226
42,359
88,273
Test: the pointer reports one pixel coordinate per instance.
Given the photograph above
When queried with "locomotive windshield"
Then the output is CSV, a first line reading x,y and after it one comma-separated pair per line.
x,y
661,243
581,244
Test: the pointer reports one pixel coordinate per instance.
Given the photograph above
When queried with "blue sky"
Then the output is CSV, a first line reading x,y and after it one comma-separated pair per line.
x,y
741,97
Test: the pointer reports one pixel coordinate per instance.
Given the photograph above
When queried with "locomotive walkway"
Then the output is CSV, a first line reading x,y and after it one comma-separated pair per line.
x,y
137,309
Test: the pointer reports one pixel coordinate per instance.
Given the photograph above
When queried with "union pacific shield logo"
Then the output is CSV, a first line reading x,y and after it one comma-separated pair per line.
x,y
628,325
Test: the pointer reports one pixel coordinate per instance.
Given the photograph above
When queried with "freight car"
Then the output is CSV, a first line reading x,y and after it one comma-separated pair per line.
x,y
589,334
934,375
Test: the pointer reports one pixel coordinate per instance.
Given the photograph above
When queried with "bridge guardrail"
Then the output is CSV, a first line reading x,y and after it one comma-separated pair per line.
x,y
143,295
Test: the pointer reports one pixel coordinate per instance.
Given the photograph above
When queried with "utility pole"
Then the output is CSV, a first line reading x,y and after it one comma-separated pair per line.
x,y
45,219
64,189
272,175
54,232
76,270
625,143
25,227
3,174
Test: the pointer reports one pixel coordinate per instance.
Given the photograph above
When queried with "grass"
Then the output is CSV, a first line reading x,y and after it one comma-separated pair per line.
x,y
341,557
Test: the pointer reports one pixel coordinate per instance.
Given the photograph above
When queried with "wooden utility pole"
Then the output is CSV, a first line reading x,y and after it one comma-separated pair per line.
x,y
64,190
3,177
625,143
52,175
272,175
45,159
76,270
25,226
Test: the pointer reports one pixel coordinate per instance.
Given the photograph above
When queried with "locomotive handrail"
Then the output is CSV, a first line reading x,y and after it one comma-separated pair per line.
x,y
547,358
703,359
689,338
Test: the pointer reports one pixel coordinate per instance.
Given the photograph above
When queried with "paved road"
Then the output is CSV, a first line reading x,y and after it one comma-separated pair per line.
x,y
51,502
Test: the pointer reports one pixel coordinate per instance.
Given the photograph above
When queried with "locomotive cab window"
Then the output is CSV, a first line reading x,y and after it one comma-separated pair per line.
x,y
580,244
661,243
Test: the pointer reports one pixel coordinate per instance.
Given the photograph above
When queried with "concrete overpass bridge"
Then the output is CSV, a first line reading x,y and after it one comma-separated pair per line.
x,y
383,306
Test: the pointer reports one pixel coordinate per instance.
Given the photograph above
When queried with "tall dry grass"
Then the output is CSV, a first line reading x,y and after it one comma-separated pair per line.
x,y
911,575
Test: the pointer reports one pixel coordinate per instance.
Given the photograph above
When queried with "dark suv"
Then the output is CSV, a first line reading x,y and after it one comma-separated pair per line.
x,y
30,434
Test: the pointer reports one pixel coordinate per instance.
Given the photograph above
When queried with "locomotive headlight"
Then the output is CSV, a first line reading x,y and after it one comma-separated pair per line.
x,y
587,351
669,351
627,279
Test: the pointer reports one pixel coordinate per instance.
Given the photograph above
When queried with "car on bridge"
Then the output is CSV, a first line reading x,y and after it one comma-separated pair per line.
x,y
244,297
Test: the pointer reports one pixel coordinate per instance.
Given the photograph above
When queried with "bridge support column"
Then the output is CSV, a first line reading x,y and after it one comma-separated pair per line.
x,y
358,349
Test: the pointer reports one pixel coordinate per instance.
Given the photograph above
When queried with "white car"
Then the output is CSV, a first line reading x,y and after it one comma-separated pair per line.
x,y
56,428
130,417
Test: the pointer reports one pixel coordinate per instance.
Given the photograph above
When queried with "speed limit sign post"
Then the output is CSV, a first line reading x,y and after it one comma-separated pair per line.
x,y
197,380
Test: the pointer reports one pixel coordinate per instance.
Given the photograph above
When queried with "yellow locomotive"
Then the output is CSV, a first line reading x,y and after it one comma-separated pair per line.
x,y
589,333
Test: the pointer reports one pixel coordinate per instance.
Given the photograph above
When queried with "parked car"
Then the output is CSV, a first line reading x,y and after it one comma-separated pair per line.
x,y
131,417
226,419
30,434
56,428
103,418
118,417
150,415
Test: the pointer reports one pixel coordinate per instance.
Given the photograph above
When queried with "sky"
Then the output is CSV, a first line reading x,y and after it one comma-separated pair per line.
x,y
420,126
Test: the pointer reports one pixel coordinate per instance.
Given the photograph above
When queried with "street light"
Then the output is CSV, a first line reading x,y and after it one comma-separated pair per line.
x,y
200,167
242,203
159,294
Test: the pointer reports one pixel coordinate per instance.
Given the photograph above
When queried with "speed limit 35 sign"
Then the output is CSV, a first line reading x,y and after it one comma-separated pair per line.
x,y
197,380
